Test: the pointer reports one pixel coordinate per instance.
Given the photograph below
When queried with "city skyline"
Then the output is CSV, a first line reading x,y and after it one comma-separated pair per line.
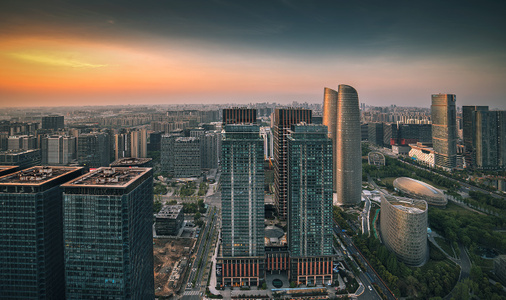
x,y
60,53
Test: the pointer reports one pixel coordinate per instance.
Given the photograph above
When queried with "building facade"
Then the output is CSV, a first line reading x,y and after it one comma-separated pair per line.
x,y
468,132
403,224
242,250
310,204
93,149
108,234
444,130
283,119
348,174
53,122
169,220
187,157
58,150
31,239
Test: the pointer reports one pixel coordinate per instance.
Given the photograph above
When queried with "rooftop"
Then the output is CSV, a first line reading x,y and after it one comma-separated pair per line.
x,y
417,186
411,206
128,161
170,211
108,177
36,175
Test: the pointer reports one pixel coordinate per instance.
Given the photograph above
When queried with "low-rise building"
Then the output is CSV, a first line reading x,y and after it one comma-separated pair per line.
x,y
169,220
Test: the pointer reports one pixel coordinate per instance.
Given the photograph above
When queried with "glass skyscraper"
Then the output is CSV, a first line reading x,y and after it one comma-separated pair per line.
x,y
31,233
242,253
108,234
444,130
310,204
341,114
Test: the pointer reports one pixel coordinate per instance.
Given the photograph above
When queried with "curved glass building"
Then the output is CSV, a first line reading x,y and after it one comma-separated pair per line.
x,y
348,168
403,224
330,120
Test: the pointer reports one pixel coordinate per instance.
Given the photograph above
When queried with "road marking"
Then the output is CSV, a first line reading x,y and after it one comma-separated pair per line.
x,y
191,293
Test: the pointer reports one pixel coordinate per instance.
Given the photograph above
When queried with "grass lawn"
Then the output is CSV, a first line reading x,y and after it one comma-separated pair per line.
x,y
445,245
452,207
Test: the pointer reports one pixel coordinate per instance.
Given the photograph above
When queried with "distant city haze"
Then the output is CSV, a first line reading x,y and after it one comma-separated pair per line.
x,y
174,52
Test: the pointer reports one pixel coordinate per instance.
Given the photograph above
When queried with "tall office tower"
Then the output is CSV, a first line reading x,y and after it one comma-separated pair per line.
x,y
468,132
93,149
403,224
489,137
187,157
444,130
239,115
343,107
310,204
139,143
31,239
108,234
122,145
242,200
283,119
53,122
210,149
330,120
58,150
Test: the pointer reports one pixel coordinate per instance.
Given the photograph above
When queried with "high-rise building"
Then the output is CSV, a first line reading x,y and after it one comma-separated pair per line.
x,y
93,149
489,137
53,122
187,157
239,115
310,204
343,104
167,152
210,149
468,131
403,224
283,119
31,239
242,198
122,145
266,134
376,133
58,150
330,120
444,130
108,234
22,142
139,143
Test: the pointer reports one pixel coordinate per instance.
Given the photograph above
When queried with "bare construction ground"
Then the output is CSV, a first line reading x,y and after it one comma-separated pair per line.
x,y
170,257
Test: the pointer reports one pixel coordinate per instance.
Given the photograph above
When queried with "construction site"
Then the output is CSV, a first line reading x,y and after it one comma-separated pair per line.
x,y
171,259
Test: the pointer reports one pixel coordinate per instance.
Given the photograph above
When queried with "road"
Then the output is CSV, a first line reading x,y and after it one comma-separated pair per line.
x,y
203,248
367,276
366,229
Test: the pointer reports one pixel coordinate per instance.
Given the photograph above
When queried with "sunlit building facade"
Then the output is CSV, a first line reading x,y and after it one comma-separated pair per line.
x,y
242,181
444,130
403,224
348,175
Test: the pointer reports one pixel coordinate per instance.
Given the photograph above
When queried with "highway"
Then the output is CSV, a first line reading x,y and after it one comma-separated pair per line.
x,y
367,276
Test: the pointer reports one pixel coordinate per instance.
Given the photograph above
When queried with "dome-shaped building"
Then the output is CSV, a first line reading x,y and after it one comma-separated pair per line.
x,y
403,224
420,190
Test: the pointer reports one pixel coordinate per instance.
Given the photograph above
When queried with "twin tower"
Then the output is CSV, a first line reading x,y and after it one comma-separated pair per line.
x,y
341,115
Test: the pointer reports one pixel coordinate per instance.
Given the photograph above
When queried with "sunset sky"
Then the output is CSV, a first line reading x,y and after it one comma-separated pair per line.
x,y
60,53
